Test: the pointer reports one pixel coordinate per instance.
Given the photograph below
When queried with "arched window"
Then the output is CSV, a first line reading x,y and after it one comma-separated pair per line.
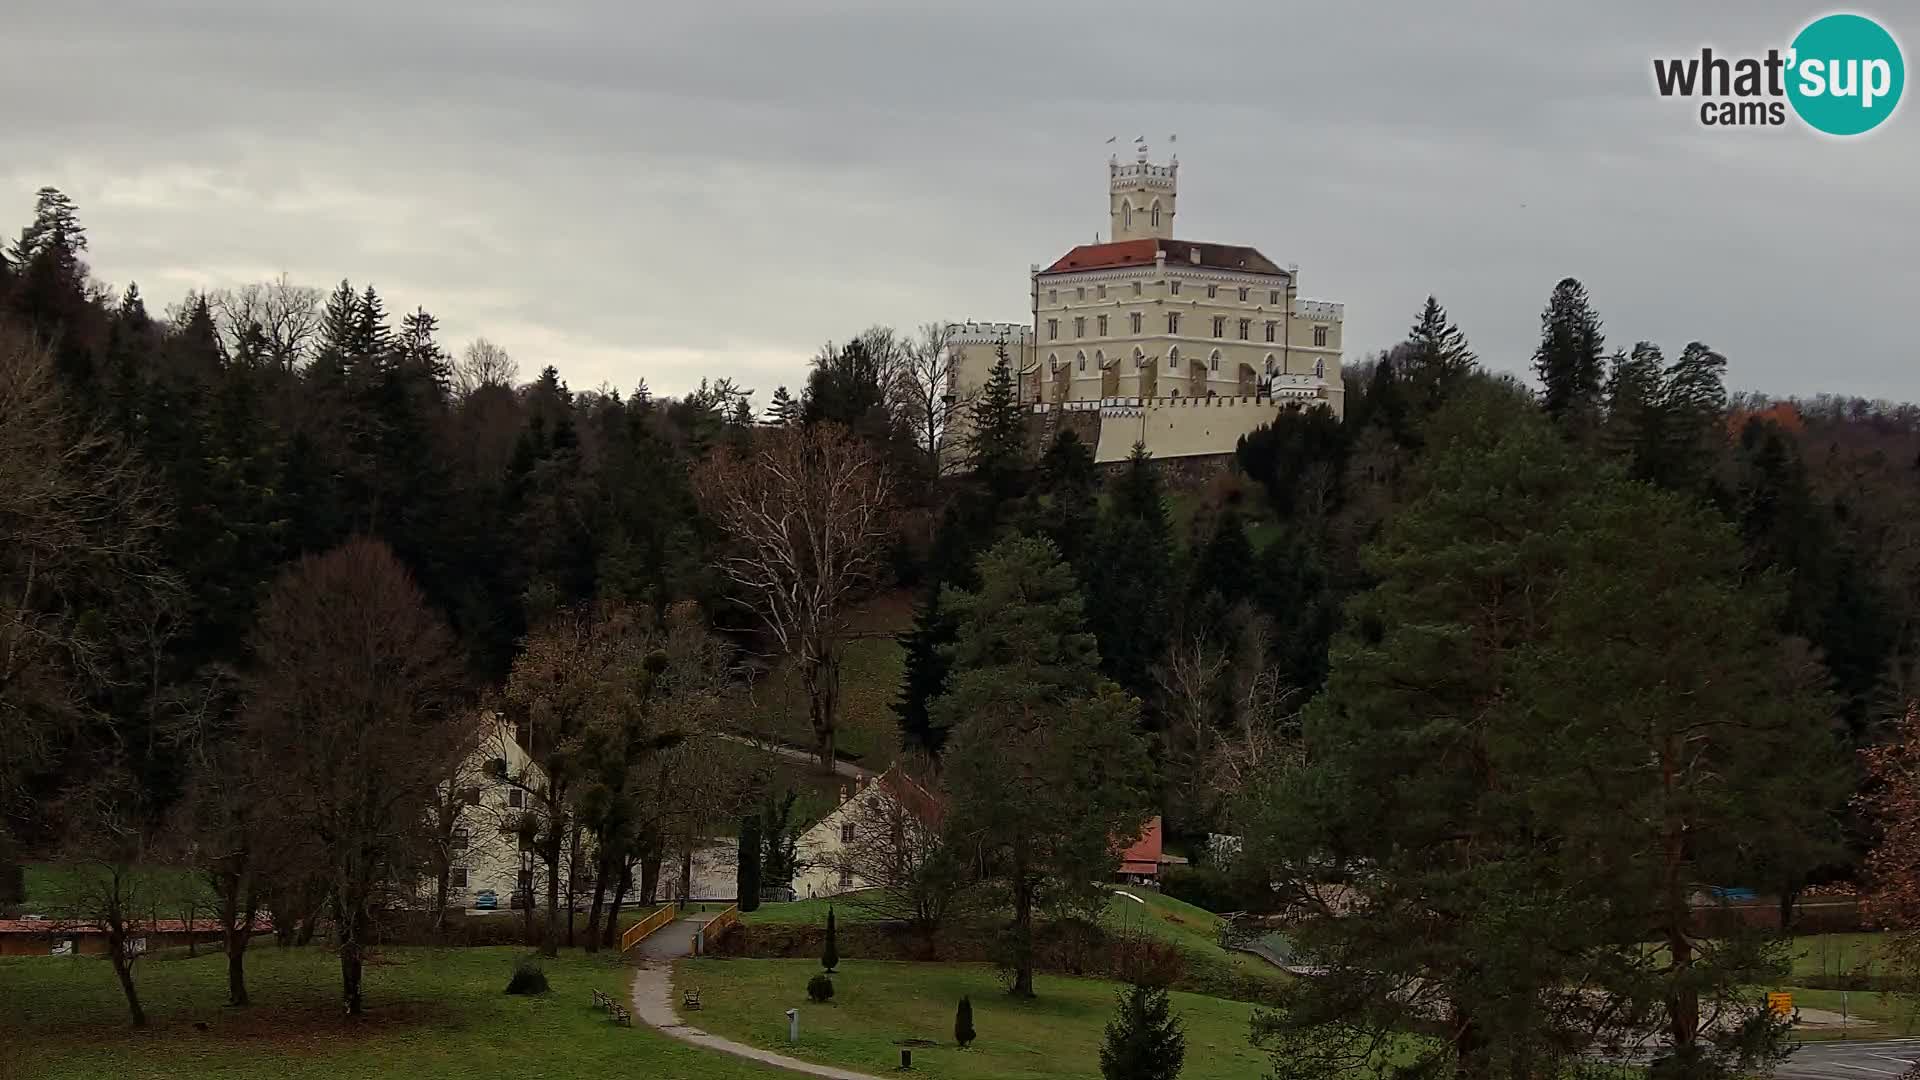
x,y
1053,362
1080,361
1213,362
1126,214
1156,213
1273,368
1173,358
1099,359
1176,393
1319,369
1139,359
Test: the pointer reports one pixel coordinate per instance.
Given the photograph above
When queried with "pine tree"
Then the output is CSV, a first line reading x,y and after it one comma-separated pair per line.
x,y
924,674
1569,360
747,875
55,233
997,437
830,953
1145,1041
963,1022
1126,599
1437,356
783,409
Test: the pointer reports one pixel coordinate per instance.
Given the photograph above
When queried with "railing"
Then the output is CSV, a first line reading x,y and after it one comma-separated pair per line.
x,y
638,931
715,927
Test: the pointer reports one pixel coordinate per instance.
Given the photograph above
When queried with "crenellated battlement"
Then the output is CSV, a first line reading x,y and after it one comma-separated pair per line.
x,y
1320,310
988,333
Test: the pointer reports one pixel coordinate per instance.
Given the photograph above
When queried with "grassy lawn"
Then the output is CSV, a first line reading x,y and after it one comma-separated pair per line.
x,y
879,1006
1195,930
806,912
430,1014
1836,954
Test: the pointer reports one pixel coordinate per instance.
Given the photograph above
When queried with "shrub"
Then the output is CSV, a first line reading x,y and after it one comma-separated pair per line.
x,y
963,1022
528,978
830,955
820,988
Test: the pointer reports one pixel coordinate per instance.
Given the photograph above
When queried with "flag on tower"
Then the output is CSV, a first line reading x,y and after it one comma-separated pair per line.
x,y
1111,138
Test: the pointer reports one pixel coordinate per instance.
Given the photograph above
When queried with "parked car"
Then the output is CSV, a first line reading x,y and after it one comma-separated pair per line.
x,y
486,900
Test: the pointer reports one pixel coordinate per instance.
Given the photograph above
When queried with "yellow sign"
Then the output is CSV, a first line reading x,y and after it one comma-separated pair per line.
x,y
1781,1003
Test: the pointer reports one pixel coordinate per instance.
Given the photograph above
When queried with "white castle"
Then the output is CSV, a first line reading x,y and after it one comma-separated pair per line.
x,y
1182,345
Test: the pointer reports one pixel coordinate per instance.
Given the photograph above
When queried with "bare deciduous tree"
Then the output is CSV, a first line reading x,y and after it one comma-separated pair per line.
x,y
806,512
484,364
930,397
895,841
357,693
288,316
111,882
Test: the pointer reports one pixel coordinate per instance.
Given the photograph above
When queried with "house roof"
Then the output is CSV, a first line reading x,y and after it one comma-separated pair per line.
x,y
1179,252
1143,855
261,924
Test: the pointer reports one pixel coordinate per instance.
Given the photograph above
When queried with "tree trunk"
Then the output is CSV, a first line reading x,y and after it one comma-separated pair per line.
x,y
351,957
236,927
1682,998
13,878
612,930
650,877
236,969
441,883
573,871
599,894
1022,923
822,679
1469,1050
550,944
123,970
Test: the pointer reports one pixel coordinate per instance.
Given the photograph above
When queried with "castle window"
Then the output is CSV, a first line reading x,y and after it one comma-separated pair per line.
x,y
1219,326
1270,325
1099,359
1320,368
1136,288
1173,287
1213,362
1243,294
1156,215
1081,361
1319,335
1053,329
1080,326
1139,358
1273,368
1053,362
1135,318
1103,326
1213,291
1126,214
1273,296
1080,293
1173,358
1101,292
1173,322
1053,296
1246,327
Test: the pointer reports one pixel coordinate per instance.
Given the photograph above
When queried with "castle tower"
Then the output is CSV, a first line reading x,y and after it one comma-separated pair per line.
x,y
1141,197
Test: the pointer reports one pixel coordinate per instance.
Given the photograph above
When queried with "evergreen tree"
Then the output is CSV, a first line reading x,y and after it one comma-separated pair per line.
x,y
1144,1039
924,674
1067,493
1126,600
55,233
747,873
1569,360
830,952
783,409
1044,761
963,1033
997,436
1436,357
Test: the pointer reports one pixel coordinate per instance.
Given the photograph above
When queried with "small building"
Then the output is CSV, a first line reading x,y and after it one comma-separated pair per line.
x,y
825,860
65,937
1142,861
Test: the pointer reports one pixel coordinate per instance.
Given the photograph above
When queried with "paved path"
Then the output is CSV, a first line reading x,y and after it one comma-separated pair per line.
x,y
844,768
653,1003
1886,1058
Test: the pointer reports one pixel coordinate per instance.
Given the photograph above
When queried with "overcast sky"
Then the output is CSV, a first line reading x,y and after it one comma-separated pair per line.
x,y
629,188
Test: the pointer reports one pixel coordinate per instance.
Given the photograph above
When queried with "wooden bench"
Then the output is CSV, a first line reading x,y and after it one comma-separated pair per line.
x,y
690,1000
600,1000
619,1014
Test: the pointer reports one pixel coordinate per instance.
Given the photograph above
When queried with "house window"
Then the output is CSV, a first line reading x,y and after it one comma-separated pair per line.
x,y
1219,326
1273,296
1135,319
1213,291
846,832
1081,361
1053,296
846,876
1136,288
1080,293
1269,329
516,798
1246,327
1173,287
457,877
1319,335
1213,362
1102,292
1080,326
1243,294
460,839
1053,329
1173,322
1103,326
470,796
1173,359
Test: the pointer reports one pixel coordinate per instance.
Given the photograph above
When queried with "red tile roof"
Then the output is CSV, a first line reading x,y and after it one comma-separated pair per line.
x,y
1143,856
1179,253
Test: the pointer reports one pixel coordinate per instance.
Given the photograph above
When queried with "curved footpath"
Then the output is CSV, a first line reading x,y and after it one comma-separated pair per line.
x,y
653,1003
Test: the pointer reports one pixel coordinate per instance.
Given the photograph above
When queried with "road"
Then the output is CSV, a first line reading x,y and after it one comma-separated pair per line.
x,y
844,768
1887,1058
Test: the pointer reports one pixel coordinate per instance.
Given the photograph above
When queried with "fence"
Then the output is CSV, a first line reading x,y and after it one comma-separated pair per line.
x,y
715,927
638,931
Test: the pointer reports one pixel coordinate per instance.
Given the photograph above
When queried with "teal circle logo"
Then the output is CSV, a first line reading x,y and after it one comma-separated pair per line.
x,y
1845,74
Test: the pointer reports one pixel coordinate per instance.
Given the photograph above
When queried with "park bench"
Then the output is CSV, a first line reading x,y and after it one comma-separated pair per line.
x,y
600,1000
690,1000
619,1014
